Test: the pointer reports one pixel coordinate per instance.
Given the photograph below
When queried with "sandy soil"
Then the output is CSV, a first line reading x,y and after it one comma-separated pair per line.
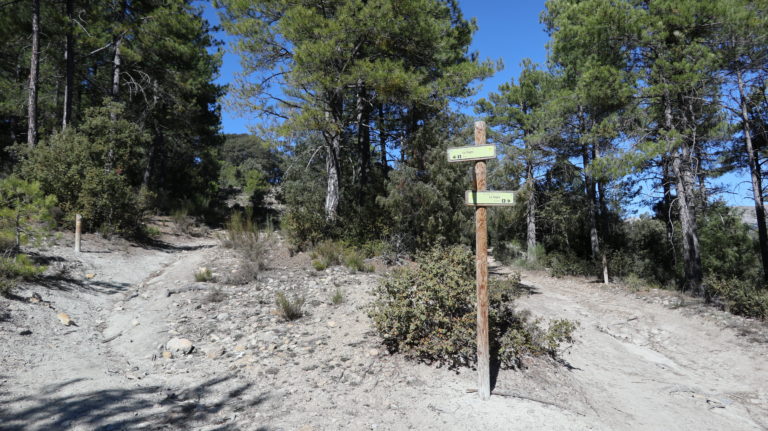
x,y
642,360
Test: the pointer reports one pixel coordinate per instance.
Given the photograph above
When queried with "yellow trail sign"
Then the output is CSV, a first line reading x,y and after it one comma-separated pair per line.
x,y
472,152
489,198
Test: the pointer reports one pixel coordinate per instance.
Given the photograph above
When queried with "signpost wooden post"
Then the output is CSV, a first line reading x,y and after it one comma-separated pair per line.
x,y
480,199
481,271
78,228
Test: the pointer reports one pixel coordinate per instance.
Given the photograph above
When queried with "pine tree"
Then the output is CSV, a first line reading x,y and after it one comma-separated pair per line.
x,y
519,113
326,67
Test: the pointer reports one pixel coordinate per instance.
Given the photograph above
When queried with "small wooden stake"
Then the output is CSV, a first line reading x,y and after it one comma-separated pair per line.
x,y
481,243
78,228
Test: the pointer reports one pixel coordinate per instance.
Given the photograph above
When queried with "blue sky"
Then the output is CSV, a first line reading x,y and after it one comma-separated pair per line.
x,y
508,30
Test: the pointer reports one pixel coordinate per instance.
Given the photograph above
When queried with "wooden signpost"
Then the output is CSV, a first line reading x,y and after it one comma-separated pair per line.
x,y
480,199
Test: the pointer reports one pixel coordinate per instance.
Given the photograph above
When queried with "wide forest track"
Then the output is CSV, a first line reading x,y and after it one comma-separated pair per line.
x,y
646,364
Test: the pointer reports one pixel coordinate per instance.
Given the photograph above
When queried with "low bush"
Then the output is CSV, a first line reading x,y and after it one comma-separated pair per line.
x,y
25,213
242,235
182,222
427,311
203,275
337,297
319,265
560,265
355,262
740,297
289,308
13,269
329,253
634,283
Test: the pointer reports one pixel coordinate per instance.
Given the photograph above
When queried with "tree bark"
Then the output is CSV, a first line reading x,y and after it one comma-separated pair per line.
x,y
332,170
69,58
116,64
363,137
603,215
754,171
531,214
591,210
681,169
666,181
691,250
33,76
332,161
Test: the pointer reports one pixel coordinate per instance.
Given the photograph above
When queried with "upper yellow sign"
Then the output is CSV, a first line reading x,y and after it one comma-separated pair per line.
x,y
496,198
472,152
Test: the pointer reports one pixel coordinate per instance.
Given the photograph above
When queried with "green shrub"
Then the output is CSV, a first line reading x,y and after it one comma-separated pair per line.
x,y
95,169
635,283
319,265
355,262
242,235
24,211
337,297
6,286
13,269
303,226
150,232
289,309
729,250
428,312
561,264
373,248
182,222
740,297
256,186
228,175
203,275
329,253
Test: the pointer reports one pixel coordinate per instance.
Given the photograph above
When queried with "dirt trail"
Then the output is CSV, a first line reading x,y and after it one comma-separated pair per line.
x,y
53,373
636,364
644,365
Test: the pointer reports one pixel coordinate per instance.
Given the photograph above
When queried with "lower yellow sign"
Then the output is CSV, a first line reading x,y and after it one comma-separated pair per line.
x,y
489,198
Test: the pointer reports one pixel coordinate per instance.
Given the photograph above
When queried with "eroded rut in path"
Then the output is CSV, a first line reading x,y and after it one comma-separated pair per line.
x,y
58,375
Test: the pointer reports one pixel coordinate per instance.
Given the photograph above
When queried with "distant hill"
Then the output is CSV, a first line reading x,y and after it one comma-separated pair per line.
x,y
747,215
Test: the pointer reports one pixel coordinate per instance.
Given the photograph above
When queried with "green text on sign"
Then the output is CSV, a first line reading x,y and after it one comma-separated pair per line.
x,y
489,198
472,152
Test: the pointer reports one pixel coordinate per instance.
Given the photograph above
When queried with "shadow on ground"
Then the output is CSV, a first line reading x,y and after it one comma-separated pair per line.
x,y
164,246
151,407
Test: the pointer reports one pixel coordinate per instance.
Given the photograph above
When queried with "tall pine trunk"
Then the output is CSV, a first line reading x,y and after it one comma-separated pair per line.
x,y
685,196
591,207
754,171
531,214
33,76
332,193
117,61
363,137
332,161
666,184
69,58
681,169
603,215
